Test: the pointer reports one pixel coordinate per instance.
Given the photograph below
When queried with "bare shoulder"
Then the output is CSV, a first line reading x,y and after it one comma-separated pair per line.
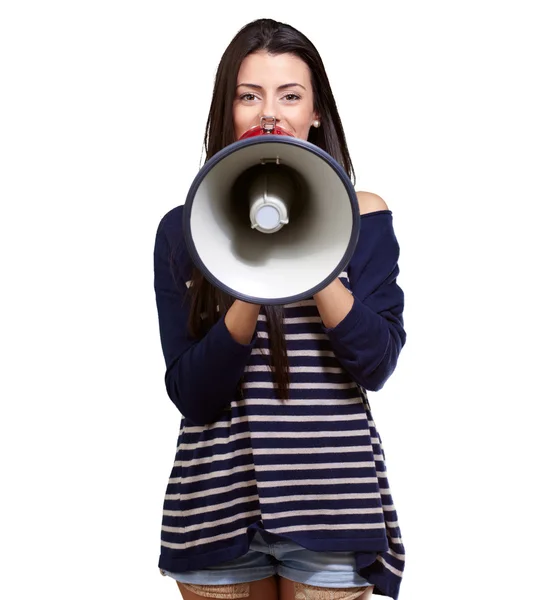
x,y
369,202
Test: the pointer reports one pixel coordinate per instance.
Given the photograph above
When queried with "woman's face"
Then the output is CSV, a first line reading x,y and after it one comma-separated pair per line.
x,y
278,86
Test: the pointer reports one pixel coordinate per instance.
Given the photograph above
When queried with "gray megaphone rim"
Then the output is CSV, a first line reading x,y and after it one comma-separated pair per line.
x,y
223,153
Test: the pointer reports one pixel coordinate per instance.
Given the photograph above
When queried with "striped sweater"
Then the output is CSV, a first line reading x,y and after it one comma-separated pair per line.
x,y
311,470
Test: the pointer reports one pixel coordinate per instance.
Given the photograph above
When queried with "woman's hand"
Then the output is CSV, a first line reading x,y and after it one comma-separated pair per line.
x,y
241,319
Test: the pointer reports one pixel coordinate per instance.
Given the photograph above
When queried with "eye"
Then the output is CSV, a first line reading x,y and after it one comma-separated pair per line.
x,y
248,96
292,97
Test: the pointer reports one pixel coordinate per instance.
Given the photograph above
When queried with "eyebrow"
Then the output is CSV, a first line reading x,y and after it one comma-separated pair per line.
x,y
281,87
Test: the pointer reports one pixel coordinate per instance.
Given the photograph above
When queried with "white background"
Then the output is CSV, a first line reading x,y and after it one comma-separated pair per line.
x,y
103,108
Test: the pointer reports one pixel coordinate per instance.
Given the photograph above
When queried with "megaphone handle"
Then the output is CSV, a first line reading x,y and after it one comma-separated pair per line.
x,y
268,124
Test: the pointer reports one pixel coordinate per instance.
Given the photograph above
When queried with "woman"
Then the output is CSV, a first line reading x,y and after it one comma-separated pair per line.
x,y
279,488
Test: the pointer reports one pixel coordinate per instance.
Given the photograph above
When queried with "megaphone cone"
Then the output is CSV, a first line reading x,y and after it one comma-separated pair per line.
x,y
271,219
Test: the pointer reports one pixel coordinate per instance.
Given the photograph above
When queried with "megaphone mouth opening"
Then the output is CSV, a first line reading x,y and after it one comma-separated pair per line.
x,y
290,264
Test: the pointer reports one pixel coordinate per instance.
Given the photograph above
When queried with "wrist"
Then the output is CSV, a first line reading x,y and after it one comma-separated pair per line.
x,y
241,319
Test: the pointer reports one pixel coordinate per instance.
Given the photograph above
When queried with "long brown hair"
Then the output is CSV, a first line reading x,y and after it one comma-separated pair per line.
x,y
275,38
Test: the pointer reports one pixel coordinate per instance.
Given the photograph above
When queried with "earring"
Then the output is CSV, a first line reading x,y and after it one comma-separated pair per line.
x,y
316,123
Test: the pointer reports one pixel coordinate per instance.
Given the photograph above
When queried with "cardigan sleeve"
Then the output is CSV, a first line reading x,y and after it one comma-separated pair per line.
x,y
201,374
368,341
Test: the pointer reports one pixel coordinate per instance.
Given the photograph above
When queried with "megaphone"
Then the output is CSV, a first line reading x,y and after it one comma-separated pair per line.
x,y
271,219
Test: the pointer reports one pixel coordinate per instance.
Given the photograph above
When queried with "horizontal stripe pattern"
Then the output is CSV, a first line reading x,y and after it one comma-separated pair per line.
x,y
311,468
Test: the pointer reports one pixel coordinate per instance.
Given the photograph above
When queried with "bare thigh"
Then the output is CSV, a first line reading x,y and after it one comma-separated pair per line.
x,y
264,589
287,590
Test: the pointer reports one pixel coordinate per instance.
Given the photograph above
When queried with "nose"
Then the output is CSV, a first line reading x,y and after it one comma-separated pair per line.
x,y
269,107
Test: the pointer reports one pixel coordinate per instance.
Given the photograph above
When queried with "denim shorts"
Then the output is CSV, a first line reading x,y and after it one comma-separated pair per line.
x,y
287,559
